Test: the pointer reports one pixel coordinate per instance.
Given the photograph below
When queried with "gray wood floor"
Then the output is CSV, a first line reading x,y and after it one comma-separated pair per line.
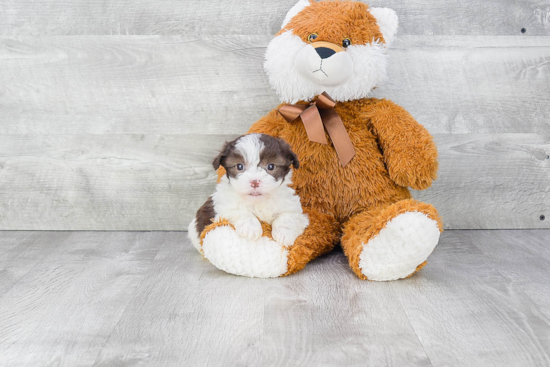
x,y
147,298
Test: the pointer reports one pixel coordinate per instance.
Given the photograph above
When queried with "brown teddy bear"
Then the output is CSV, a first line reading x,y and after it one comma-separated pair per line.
x,y
358,155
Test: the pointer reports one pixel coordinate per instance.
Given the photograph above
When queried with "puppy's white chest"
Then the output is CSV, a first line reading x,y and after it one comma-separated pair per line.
x,y
264,211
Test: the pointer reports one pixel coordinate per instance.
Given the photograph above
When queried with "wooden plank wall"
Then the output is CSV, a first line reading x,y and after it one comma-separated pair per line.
x,y
110,112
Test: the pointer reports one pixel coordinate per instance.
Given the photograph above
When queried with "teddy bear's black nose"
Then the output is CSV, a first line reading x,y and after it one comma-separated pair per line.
x,y
325,52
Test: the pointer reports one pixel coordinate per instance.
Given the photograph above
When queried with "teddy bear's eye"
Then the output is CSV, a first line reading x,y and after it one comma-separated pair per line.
x,y
312,37
346,42
270,167
240,166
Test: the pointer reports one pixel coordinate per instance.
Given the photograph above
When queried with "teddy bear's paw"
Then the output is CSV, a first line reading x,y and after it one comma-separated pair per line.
x,y
416,181
232,253
401,246
249,227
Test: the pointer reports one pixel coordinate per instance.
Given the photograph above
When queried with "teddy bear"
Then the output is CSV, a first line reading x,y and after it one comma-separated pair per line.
x,y
358,155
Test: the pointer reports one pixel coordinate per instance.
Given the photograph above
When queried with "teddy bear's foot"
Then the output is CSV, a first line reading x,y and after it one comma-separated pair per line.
x,y
265,257
393,242
399,248
235,254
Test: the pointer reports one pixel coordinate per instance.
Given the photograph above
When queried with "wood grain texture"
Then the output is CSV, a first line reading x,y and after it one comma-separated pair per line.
x,y
528,270
494,181
466,85
140,84
63,310
216,85
465,309
157,182
313,320
424,17
528,266
310,319
125,299
187,313
22,251
111,182
117,132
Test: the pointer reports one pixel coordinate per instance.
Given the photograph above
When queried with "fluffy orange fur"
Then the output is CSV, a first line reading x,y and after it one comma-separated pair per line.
x,y
383,135
346,19
368,224
352,204
359,199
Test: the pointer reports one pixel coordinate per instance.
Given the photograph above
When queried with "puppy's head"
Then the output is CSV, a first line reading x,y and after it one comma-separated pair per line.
x,y
333,46
256,164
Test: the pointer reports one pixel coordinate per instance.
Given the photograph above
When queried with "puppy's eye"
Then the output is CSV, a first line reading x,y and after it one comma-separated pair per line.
x,y
346,42
270,167
312,37
240,166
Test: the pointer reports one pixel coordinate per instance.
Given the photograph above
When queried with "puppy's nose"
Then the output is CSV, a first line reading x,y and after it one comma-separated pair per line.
x,y
255,183
325,52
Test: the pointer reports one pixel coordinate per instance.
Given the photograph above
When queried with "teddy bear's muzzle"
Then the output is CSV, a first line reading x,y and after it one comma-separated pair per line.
x,y
324,63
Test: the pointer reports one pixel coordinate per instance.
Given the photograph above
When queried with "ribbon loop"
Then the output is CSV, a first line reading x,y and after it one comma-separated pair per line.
x,y
324,101
292,111
317,116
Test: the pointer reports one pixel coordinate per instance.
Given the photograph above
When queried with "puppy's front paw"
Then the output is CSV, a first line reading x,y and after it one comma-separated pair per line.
x,y
284,235
249,228
287,227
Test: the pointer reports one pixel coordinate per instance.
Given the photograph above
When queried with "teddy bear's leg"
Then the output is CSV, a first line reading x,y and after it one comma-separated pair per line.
x,y
320,236
391,242
265,258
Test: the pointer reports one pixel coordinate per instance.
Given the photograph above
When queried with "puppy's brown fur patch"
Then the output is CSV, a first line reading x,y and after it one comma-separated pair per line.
x,y
229,158
205,214
277,152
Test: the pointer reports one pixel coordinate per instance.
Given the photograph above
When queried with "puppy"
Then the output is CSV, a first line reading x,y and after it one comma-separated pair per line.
x,y
256,187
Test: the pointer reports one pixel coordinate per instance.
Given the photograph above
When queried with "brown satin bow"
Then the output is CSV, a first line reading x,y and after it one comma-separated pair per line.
x,y
321,113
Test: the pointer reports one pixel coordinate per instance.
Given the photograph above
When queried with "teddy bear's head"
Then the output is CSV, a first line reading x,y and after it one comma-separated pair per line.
x,y
333,46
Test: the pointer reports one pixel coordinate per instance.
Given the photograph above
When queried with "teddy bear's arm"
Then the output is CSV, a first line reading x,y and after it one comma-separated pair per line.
x,y
409,150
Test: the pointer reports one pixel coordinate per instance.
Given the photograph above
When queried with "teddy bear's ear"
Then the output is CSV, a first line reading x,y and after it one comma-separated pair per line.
x,y
387,22
300,5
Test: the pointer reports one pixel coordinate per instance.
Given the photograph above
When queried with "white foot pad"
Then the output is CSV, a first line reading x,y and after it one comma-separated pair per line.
x,y
405,242
262,258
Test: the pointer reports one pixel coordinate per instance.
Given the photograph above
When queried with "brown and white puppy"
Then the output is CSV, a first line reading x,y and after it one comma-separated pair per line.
x,y
256,187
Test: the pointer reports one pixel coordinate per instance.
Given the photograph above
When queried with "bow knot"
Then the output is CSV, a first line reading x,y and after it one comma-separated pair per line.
x,y
318,115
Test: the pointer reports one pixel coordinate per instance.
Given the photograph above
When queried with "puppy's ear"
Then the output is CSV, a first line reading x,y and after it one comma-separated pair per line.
x,y
289,154
218,161
227,147
294,160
